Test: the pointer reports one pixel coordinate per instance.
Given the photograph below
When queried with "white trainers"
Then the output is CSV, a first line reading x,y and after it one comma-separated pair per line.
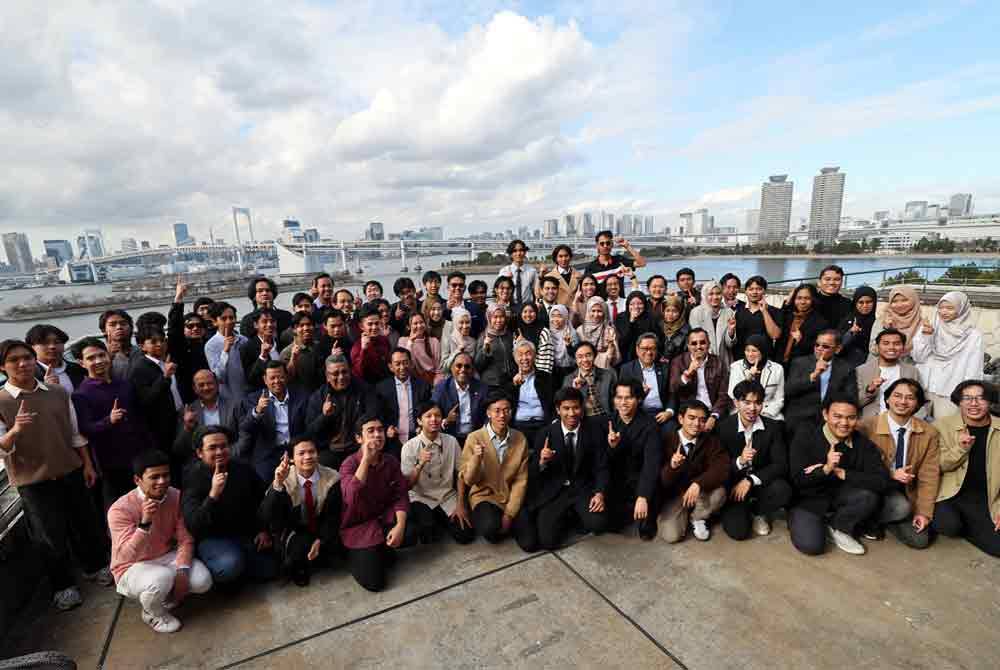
x,y
67,599
166,623
701,530
102,576
845,542
761,526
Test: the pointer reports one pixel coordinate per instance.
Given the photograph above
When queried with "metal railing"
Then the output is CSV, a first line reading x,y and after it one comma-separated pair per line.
x,y
922,278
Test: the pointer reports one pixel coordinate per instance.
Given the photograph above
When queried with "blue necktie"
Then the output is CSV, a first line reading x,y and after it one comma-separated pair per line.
x,y
900,448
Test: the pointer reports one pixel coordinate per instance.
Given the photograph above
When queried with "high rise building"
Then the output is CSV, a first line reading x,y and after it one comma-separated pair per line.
x,y
915,209
648,226
686,223
376,231
827,204
551,228
310,235
775,209
933,211
90,244
145,244
569,221
18,252
522,232
960,204
291,231
881,215
607,221
588,225
129,244
182,238
60,250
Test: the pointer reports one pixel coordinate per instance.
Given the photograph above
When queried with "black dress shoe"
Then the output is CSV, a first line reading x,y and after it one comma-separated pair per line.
x,y
875,533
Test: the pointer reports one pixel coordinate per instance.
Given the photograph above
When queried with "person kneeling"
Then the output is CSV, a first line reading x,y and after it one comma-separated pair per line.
x,y
152,552
373,520
302,509
695,469
567,477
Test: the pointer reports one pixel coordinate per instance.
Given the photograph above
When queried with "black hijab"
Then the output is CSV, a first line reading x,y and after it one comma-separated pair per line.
x,y
763,345
530,331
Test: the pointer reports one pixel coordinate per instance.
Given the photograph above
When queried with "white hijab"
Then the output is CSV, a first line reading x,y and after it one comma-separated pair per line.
x,y
950,336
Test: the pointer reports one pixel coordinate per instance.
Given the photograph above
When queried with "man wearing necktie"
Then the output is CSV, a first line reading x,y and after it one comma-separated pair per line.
x,y
910,450
523,275
567,478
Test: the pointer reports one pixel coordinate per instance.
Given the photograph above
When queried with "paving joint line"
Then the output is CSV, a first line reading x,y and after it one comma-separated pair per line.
x,y
111,633
385,610
620,611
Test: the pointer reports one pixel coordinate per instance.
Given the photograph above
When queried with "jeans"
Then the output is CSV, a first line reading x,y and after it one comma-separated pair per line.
x,y
230,558
850,507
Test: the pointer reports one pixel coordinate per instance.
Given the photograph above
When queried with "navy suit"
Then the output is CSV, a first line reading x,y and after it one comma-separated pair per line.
x,y
388,406
446,396
632,371
259,444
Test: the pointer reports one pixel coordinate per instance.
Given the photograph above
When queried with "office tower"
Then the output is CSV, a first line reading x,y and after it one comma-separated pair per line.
x,y
182,237
960,204
376,231
915,209
551,228
90,243
607,222
649,226
686,224
933,211
522,232
291,231
881,215
570,223
827,203
145,244
129,244
775,209
588,225
18,252
310,235
60,250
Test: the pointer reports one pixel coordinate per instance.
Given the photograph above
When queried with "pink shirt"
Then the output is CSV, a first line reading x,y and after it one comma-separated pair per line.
x,y
130,544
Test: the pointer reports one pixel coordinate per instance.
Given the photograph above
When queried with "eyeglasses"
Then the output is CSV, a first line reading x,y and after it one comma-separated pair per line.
x,y
824,346
192,326
462,366
604,243
973,399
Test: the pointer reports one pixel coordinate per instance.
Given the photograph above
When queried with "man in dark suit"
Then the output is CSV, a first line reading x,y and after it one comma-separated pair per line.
x,y
210,408
758,485
397,397
812,378
462,398
49,344
698,374
262,293
653,378
153,378
635,453
596,384
185,342
567,478
270,419
333,410
260,349
530,391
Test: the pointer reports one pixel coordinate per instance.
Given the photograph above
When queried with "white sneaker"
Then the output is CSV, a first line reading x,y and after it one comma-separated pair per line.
x,y
67,599
102,576
845,542
761,526
701,530
166,623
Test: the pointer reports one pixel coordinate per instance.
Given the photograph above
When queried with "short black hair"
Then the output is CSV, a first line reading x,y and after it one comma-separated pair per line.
x,y
275,365
496,396
758,280
401,284
729,275
746,387
456,274
377,284
846,398
477,285
150,458
147,319
321,275
296,440
603,233
914,385
890,331
514,244
102,321
838,337
147,333
201,432
699,330
267,311
8,345
567,393
832,268
333,311
366,417
503,279
584,344
425,406
218,307
989,390
343,290
252,287
431,275
300,298
299,317
684,271
400,350
561,247
40,332
633,386
549,279
87,342
201,302
694,403
370,309
650,281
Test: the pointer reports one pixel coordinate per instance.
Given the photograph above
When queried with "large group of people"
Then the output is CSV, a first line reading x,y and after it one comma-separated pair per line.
x,y
221,449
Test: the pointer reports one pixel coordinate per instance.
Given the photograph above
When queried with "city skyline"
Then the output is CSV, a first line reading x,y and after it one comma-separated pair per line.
x,y
476,117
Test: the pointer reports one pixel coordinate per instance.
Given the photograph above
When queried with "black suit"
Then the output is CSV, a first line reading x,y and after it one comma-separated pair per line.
x,y
802,395
632,371
545,392
635,471
559,493
253,367
259,443
155,402
334,434
189,355
75,373
388,407
282,319
767,474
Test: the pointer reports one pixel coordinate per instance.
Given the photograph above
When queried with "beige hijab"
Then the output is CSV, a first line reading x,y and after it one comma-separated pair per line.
x,y
908,322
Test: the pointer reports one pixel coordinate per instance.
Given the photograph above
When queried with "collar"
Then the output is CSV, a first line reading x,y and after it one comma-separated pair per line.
x,y
757,425
399,383
566,431
15,391
218,403
275,398
494,436
651,368
314,478
58,370
528,377
833,440
142,496
158,362
684,441
894,427
629,420
878,364
427,442
458,387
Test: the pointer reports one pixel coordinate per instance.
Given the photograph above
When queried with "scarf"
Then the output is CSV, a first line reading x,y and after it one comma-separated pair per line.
x,y
460,342
530,331
490,310
706,288
434,328
560,349
950,336
670,328
909,321
592,331
865,321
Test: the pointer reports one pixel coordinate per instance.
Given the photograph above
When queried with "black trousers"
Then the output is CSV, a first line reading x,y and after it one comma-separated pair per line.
x,y
530,430
737,517
62,519
369,566
961,517
621,512
424,525
849,508
545,527
487,521
116,482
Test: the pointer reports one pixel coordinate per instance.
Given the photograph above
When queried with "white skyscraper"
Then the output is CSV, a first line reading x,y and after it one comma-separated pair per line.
x,y
827,203
129,244
960,204
570,224
551,228
775,209
915,209
588,224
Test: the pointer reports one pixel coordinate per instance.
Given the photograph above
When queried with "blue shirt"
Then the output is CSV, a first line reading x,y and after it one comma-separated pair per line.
x,y
529,406
824,380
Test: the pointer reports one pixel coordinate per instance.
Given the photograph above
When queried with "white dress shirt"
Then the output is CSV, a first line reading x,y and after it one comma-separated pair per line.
x,y
281,418
894,433
652,401
60,372
888,375
78,439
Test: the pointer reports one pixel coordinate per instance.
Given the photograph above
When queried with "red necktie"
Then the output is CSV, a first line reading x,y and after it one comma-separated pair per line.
x,y
614,309
310,507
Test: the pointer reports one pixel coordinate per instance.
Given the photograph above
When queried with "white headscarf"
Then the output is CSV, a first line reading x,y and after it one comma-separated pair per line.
x,y
950,336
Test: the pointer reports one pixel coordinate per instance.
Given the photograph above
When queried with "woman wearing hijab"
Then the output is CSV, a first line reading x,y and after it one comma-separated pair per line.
x,y
903,314
433,311
635,320
495,350
802,323
587,290
564,341
532,328
948,351
673,330
856,328
456,337
756,365
718,320
597,330
425,350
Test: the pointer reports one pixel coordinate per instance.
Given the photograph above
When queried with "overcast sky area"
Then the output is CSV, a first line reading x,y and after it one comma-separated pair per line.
x,y
475,115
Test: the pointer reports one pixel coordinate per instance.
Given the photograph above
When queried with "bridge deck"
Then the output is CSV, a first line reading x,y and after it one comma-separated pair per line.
x,y
603,602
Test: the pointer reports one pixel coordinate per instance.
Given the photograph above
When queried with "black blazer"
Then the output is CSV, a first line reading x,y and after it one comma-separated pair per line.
x,y
802,396
771,460
589,475
75,372
282,318
359,401
446,396
810,328
253,367
632,371
544,389
189,356
862,462
155,401
388,403
635,463
258,443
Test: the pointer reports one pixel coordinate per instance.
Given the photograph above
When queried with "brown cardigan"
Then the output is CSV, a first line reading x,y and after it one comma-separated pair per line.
x,y
488,480
922,455
708,465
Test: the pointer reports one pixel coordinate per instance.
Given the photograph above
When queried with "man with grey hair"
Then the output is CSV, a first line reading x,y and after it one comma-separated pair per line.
x,y
334,408
530,391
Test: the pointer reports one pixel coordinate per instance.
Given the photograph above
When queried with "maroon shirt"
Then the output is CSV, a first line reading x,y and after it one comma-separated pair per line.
x,y
370,365
370,506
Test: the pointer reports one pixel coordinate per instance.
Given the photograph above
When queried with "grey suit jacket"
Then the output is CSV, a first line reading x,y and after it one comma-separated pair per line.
x,y
869,370
605,391
230,413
